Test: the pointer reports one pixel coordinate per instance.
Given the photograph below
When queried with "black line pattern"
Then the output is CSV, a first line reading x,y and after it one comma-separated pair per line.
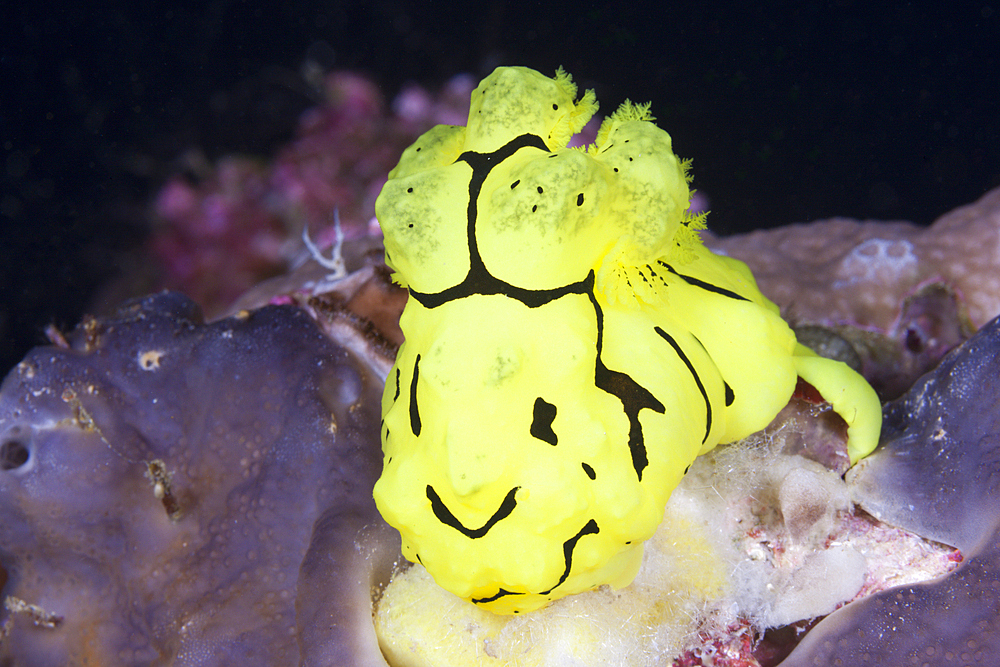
x,y
493,598
633,396
414,409
445,516
568,547
697,380
708,287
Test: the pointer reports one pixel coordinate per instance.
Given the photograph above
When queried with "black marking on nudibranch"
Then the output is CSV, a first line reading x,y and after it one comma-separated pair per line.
x,y
445,516
396,397
590,471
697,380
543,415
708,287
634,397
414,410
568,547
500,593
730,396
479,280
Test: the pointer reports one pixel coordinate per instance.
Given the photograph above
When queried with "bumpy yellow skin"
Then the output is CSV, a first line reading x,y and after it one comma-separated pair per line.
x,y
571,346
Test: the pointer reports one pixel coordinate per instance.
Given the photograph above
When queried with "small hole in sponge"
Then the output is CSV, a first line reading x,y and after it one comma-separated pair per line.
x,y
13,455
914,341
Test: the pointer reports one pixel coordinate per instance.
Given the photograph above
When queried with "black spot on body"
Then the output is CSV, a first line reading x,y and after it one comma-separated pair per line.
x,y
730,396
540,191
579,199
590,471
515,184
541,422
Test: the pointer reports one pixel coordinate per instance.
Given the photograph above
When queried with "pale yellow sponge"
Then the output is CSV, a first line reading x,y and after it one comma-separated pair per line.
x,y
419,624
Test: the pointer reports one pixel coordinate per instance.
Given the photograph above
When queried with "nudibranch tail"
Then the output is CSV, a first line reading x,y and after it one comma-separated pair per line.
x,y
571,346
850,395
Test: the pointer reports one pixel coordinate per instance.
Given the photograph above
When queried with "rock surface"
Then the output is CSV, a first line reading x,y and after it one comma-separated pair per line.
x,y
175,492
845,271
936,473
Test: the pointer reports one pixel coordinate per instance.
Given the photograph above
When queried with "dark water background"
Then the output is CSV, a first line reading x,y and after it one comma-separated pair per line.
x,y
792,111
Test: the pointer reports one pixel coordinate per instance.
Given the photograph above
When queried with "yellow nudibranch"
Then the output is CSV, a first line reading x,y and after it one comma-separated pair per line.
x,y
571,346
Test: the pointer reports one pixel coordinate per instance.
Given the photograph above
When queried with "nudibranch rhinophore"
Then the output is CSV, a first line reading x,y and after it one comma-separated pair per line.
x,y
571,346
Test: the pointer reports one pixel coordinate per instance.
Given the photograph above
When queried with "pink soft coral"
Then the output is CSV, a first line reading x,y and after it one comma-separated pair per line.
x,y
242,220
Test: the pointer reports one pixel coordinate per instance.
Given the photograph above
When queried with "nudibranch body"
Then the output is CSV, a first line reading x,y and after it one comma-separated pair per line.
x,y
571,346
